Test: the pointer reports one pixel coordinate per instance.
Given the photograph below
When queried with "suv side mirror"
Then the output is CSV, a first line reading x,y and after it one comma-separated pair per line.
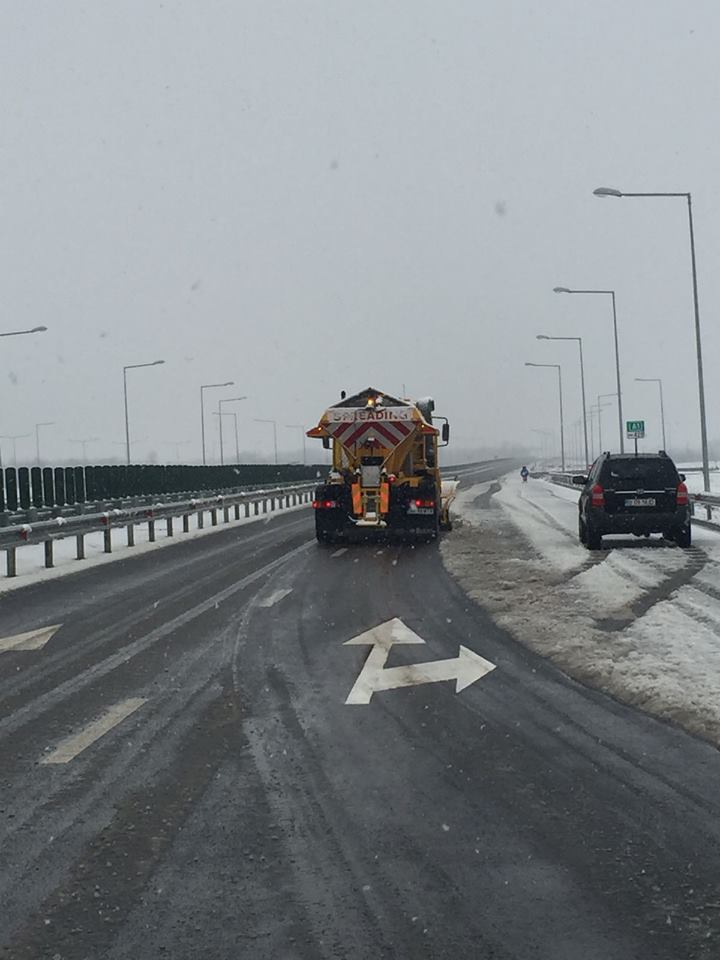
x,y
682,477
580,480
445,432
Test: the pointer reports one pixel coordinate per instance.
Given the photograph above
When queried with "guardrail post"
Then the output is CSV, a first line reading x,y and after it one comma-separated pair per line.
x,y
131,534
256,504
151,531
287,500
226,514
80,546
48,554
186,523
213,517
237,511
11,555
265,508
201,519
107,539
170,530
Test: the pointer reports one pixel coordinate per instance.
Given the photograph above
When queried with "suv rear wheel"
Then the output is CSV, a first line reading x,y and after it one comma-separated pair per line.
x,y
593,538
683,537
582,532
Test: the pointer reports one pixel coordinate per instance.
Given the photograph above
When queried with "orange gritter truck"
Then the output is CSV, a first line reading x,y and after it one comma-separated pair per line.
x,y
385,474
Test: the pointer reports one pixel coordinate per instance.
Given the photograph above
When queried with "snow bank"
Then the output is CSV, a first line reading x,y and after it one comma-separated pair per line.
x,y
641,621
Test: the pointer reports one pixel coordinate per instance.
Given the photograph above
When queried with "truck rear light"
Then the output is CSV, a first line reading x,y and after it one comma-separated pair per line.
x,y
424,503
324,504
598,496
682,495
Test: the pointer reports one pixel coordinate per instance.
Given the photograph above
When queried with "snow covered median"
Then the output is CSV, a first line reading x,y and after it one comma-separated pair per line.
x,y
641,621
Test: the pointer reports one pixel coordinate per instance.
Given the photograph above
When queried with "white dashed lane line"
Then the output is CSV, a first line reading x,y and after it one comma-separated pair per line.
x,y
72,746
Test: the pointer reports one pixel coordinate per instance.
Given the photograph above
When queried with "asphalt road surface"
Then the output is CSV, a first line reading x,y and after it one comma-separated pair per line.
x,y
181,775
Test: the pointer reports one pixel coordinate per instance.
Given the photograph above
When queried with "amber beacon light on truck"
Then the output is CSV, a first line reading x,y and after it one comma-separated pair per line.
x,y
385,474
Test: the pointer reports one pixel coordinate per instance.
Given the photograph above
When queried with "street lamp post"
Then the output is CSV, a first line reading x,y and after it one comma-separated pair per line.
x,y
600,407
578,340
46,423
611,192
208,386
274,424
610,293
556,366
544,443
18,436
659,382
84,441
220,416
132,366
177,444
237,441
299,426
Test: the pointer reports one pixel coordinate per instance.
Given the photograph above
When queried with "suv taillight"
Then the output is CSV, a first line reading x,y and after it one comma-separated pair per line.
x,y
682,495
598,496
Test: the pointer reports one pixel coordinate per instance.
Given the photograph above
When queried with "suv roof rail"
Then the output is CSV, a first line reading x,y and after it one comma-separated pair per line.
x,y
661,453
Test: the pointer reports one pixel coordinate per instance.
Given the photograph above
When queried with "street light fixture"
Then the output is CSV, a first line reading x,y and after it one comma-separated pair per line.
x,y
612,192
133,366
299,426
274,424
237,441
208,386
46,423
659,382
556,366
578,340
220,403
610,293
21,333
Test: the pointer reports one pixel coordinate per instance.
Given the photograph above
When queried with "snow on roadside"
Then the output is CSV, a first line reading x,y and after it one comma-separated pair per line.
x,y
31,558
641,621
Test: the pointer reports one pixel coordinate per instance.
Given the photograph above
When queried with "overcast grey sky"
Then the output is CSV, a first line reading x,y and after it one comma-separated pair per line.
x,y
309,196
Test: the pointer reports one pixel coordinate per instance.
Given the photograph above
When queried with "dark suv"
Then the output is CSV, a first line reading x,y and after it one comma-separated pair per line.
x,y
639,494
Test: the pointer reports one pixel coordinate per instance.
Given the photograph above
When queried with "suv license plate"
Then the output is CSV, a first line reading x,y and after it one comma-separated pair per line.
x,y
641,502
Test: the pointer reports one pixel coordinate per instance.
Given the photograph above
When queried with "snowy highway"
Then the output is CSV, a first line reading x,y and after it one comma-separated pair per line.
x,y
247,745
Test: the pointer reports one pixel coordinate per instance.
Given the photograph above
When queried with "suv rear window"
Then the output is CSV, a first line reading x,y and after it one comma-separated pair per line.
x,y
637,473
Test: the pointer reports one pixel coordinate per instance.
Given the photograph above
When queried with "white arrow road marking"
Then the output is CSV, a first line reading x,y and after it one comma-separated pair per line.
x,y
385,635
32,640
274,598
70,748
465,669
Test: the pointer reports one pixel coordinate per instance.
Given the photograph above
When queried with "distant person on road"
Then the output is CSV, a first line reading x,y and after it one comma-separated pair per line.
x,y
524,473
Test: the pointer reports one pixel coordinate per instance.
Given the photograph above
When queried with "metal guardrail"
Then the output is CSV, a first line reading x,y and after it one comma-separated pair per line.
x,y
46,532
35,514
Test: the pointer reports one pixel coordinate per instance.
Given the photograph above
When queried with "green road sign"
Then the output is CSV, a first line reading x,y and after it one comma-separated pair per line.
x,y
635,429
